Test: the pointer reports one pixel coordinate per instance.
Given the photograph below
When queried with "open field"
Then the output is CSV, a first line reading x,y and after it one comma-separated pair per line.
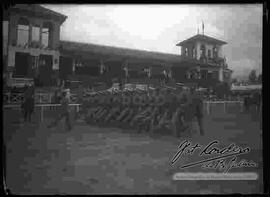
x,y
96,160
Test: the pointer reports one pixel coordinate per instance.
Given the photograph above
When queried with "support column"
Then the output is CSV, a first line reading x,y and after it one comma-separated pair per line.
x,y
30,34
40,34
55,36
198,48
219,52
13,28
220,78
190,52
73,66
182,50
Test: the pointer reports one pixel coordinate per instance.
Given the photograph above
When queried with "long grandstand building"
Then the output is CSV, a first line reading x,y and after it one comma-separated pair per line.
x,y
33,49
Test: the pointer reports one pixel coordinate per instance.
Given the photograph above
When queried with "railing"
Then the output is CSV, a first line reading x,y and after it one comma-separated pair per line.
x,y
207,105
42,108
18,80
15,98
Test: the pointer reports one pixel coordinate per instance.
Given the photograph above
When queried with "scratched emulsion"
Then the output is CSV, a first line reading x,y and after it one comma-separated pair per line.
x,y
96,160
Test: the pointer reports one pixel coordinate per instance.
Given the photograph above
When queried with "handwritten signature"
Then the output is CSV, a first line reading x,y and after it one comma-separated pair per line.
x,y
216,162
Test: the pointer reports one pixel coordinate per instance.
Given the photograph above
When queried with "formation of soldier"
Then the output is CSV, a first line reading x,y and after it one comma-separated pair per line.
x,y
170,110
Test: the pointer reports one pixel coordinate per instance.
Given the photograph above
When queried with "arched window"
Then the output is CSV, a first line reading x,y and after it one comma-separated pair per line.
x,y
202,50
35,33
215,52
188,75
193,52
209,53
47,29
23,32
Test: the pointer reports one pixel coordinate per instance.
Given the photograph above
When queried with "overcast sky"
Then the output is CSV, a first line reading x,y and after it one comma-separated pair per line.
x,y
161,27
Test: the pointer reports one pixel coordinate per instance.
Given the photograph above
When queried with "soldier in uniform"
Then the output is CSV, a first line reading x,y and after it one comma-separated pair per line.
x,y
163,105
95,109
175,114
137,112
116,108
106,108
141,114
29,102
100,108
126,101
136,99
198,111
178,118
145,119
193,112
186,104
108,103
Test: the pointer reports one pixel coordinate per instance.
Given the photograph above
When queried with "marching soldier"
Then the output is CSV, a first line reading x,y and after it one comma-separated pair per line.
x,y
197,102
133,106
141,113
173,110
126,101
115,109
160,102
186,106
193,111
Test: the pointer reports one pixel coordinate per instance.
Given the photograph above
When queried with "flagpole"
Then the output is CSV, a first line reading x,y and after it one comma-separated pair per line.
x,y
202,28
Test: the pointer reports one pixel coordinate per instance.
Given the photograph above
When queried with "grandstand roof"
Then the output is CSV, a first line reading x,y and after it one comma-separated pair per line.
x,y
37,10
119,51
200,37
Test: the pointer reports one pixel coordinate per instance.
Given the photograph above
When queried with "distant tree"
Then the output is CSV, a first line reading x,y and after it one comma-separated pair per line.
x,y
259,79
252,76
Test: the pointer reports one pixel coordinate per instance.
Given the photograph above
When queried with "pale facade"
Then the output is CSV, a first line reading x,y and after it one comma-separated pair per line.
x,y
32,36
207,51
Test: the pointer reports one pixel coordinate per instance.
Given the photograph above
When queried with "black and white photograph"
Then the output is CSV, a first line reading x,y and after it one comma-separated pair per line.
x,y
138,99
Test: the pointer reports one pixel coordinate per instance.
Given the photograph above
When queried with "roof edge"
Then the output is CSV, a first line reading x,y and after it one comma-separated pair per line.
x,y
201,36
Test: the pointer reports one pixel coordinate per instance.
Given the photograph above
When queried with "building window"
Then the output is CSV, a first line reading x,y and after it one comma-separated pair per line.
x,y
215,52
204,74
5,30
46,34
215,74
209,53
188,75
35,33
193,52
23,32
202,50
186,51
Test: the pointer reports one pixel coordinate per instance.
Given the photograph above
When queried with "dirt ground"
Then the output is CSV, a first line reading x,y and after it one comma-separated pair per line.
x,y
104,160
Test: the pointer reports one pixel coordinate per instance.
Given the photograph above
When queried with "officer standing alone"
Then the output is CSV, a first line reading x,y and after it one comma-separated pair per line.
x,y
197,102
